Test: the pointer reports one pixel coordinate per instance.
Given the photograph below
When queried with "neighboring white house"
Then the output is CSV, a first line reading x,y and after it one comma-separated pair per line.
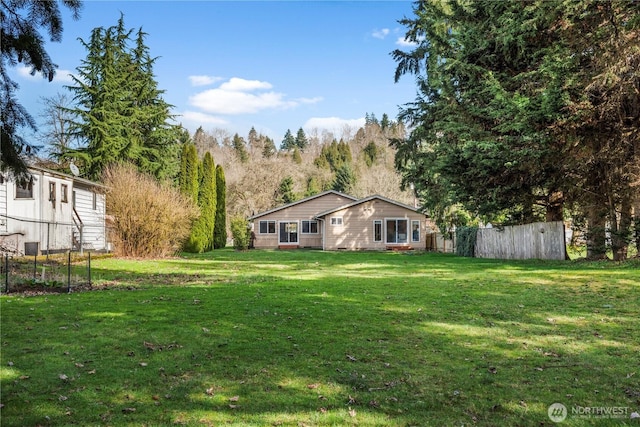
x,y
51,212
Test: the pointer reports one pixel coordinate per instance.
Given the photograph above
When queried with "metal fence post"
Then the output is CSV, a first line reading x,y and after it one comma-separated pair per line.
x,y
89,268
6,271
69,274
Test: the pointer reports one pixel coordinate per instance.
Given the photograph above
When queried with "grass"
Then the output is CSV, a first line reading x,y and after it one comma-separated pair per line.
x,y
309,338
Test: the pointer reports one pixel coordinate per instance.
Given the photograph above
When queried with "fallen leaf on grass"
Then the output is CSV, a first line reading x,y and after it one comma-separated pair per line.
x,y
312,386
209,391
234,406
63,377
24,377
352,412
351,358
62,398
128,410
493,370
234,399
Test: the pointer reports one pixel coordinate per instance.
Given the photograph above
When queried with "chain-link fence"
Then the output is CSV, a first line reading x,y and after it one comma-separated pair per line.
x,y
62,272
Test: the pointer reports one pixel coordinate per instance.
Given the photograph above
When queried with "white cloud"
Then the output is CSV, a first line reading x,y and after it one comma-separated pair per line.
x,y
242,85
200,118
241,96
61,76
333,124
203,80
380,34
401,41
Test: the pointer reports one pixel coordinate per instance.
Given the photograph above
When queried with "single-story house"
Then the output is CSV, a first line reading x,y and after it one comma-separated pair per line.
x,y
332,220
51,212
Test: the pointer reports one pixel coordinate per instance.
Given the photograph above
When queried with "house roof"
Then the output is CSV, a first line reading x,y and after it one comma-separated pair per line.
x,y
297,202
67,176
366,199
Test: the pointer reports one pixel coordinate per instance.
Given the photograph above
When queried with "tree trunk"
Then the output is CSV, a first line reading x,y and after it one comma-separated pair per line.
x,y
596,237
621,236
555,206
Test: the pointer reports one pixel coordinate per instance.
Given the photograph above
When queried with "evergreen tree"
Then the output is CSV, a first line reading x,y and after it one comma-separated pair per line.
x,y
301,140
220,226
188,181
344,180
121,115
313,187
288,142
269,148
296,157
384,122
240,148
201,239
285,191
22,43
370,153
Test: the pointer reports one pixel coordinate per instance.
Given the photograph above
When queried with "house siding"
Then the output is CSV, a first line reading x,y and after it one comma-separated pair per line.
x,y
357,229
49,221
297,213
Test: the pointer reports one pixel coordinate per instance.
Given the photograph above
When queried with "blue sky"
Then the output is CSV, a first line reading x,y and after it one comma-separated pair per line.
x,y
269,65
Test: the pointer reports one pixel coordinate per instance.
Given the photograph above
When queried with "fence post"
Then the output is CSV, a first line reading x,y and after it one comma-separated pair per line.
x,y
69,274
89,267
35,266
6,271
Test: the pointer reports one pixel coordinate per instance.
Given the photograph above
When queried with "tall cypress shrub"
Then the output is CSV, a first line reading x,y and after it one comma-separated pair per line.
x,y
188,179
201,239
220,227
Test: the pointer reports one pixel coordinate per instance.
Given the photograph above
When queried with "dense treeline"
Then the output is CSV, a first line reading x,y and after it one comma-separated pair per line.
x,y
527,111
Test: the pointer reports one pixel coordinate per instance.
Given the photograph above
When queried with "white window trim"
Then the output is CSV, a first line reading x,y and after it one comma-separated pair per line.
x,y
309,221
275,226
375,222
336,221
413,221
386,234
298,232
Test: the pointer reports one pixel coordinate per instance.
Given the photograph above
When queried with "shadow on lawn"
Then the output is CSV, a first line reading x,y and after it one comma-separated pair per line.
x,y
419,350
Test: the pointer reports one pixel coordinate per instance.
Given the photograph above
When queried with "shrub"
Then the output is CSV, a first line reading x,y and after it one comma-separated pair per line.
x,y
240,232
150,219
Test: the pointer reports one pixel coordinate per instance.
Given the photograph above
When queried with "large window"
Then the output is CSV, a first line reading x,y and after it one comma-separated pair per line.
x,y
310,227
24,189
377,230
52,191
415,231
63,193
288,232
397,230
267,227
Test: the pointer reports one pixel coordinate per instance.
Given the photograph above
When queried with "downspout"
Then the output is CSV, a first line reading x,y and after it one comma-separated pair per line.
x,y
323,232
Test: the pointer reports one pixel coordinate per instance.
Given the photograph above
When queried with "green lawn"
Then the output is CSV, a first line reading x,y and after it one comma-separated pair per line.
x,y
309,338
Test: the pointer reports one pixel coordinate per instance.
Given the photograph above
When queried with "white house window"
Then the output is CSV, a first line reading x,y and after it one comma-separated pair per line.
x,y
397,230
288,232
52,191
336,220
64,193
377,230
24,189
310,227
267,227
415,231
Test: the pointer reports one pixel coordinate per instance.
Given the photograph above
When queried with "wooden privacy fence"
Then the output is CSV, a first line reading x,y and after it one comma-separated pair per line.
x,y
539,240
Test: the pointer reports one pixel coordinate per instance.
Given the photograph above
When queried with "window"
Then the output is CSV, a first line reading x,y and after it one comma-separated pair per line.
x,y
336,220
267,227
24,189
397,230
310,227
377,230
63,193
52,191
415,231
95,201
288,232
